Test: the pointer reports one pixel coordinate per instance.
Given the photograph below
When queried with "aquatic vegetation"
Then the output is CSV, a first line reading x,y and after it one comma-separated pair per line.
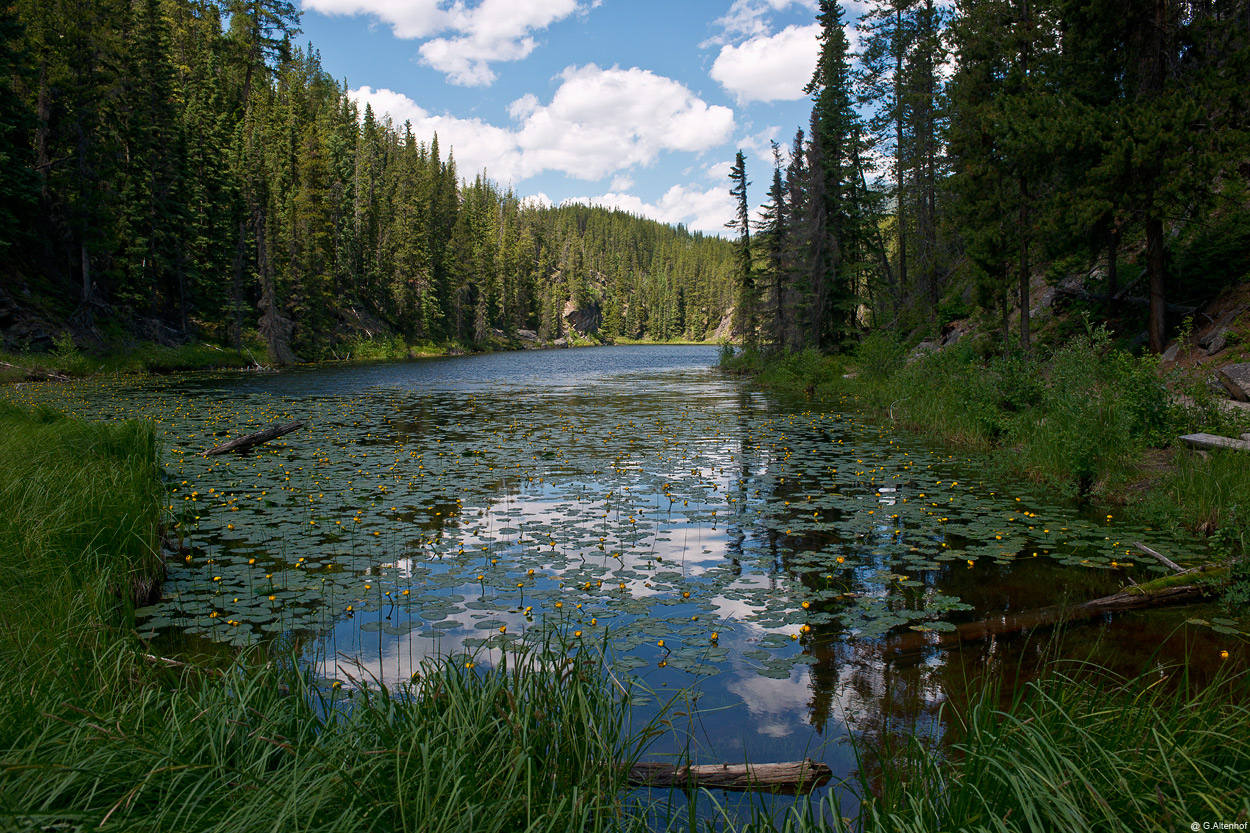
x,y
435,509
436,518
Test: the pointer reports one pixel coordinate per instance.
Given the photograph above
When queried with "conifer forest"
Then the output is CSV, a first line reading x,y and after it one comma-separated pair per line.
x,y
187,166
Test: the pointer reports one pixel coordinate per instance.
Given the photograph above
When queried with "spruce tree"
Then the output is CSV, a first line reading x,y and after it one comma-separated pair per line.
x,y
18,184
839,219
745,318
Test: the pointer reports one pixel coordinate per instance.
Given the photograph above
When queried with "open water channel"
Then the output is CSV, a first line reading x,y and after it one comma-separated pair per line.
x,y
784,566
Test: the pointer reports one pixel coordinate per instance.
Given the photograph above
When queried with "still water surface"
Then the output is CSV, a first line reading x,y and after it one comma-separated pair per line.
x,y
783,567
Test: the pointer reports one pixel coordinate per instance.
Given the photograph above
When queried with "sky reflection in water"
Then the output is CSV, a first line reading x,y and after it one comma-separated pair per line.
x,y
776,546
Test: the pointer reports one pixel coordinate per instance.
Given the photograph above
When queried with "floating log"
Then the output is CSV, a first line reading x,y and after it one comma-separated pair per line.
x,y
1160,557
1135,598
249,440
1213,441
793,777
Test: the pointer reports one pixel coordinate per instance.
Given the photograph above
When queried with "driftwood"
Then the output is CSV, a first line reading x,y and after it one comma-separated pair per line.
x,y
1160,557
911,641
250,440
794,777
1214,441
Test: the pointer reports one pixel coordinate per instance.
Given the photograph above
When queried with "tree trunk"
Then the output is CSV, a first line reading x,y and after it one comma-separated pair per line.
x,y
1113,271
1024,263
900,212
1157,325
909,642
249,440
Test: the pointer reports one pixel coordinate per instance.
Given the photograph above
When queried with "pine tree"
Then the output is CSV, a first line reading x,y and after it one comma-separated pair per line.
x,y
745,317
18,184
889,36
839,218
773,239
151,217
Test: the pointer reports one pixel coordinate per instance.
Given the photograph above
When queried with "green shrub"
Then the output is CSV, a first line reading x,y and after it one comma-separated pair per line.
x,y
880,355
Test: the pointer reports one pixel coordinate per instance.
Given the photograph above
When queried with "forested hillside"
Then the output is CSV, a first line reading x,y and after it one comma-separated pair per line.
x,y
977,153
175,167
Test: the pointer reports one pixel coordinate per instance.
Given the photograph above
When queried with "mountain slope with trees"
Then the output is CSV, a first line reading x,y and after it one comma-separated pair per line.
x,y
175,167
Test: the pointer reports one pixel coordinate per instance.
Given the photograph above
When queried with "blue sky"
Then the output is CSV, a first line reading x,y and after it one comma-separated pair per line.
x,y
637,104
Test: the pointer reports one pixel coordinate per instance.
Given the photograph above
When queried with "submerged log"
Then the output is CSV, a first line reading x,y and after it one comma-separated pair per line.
x,y
249,440
1213,441
1134,598
795,777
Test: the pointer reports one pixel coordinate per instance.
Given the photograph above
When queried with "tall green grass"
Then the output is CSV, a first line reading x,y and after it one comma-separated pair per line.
x,y
532,744
68,360
79,517
1075,749
1082,751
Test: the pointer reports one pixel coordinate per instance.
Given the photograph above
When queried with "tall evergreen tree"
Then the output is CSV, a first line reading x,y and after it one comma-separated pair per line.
x,y
18,185
839,218
773,239
745,316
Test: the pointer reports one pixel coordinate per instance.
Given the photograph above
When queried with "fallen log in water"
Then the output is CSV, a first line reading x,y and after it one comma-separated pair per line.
x,y
1134,598
1160,557
793,777
249,440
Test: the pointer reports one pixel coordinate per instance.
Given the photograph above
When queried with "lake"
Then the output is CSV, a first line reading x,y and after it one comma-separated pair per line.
x,y
779,571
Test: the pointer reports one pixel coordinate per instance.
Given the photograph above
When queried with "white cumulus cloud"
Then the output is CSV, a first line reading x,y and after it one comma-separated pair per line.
x,y
769,67
472,37
700,210
477,145
751,18
604,120
598,123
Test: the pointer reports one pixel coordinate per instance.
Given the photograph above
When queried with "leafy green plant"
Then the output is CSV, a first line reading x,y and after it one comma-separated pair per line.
x,y
880,355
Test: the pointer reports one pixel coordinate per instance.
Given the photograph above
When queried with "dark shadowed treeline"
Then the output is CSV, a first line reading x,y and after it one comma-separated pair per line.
x,y
975,152
180,166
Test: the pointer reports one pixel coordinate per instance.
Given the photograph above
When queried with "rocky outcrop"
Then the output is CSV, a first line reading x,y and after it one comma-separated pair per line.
x,y
1236,380
922,349
724,331
585,319
954,331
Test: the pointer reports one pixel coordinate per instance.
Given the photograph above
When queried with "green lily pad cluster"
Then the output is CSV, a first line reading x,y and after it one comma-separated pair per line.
x,y
671,519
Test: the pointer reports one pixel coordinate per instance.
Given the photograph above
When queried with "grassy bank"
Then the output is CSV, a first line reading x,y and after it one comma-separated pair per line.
x,y
94,735
1077,750
68,361
1085,420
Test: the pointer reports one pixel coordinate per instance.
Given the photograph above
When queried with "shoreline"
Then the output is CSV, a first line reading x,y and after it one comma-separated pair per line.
x,y
152,358
1149,476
